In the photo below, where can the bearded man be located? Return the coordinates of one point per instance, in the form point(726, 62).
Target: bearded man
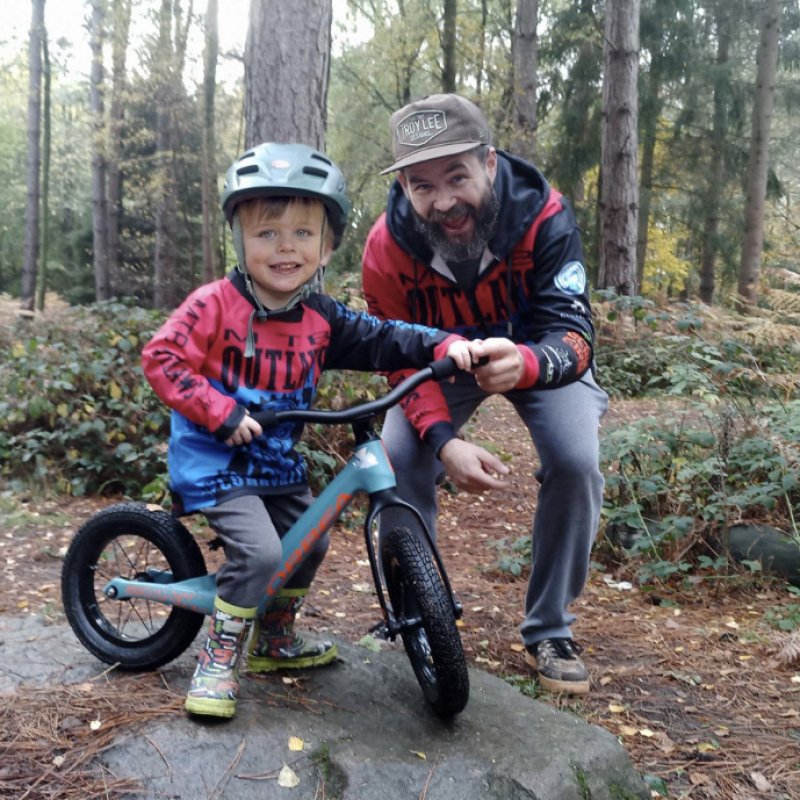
point(475, 241)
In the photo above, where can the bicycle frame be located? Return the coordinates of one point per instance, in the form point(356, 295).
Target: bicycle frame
point(368, 470)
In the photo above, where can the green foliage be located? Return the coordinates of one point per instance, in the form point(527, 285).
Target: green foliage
point(694, 472)
point(77, 415)
point(514, 554)
point(786, 617)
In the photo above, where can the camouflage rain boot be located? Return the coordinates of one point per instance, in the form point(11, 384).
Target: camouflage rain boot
point(216, 679)
point(275, 645)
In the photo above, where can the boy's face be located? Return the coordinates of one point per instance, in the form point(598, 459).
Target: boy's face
point(283, 252)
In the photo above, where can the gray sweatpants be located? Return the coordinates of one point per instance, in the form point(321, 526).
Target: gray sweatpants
point(563, 424)
point(251, 528)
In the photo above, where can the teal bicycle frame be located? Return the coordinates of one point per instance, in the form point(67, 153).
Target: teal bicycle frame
point(368, 470)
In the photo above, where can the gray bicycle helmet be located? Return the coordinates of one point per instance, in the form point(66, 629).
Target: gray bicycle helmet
point(287, 170)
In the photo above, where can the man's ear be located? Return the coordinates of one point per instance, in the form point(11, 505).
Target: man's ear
point(404, 183)
point(491, 164)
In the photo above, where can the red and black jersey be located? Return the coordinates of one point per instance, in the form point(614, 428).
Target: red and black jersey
point(196, 365)
point(531, 287)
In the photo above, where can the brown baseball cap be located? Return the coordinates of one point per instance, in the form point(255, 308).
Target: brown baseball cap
point(438, 125)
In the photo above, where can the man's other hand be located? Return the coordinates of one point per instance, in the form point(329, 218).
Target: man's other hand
point(471, 467)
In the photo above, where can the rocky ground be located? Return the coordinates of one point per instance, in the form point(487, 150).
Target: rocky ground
point(690, 681)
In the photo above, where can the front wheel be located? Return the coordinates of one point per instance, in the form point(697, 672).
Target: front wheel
point(132, 542)
point(433, 645)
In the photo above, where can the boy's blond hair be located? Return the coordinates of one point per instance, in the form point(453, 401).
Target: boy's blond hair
point(259, 210)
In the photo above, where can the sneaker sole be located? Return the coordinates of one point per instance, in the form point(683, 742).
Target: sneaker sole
point(555, 685)
point(259, 664)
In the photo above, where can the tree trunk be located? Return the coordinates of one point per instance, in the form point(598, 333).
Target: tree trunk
point(523, 141)
point(710, 240)
point(652, 111)
point(482, 48)
point(31, 249)
point(166, 220)
point(750, 269)
point(449, 47)
point(286, 71)
point(121, 22)
point(620, 196)
point(210, 215)
point(102, 282)
point(41, 281)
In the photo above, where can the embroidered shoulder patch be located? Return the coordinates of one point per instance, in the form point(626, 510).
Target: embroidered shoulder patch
point(572, 278)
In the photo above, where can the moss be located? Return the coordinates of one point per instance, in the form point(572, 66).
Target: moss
point(583, 784)
point(331, 775)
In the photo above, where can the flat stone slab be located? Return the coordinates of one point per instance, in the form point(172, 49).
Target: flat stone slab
point(366, 729)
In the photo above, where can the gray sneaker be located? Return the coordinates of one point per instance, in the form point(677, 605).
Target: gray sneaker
point(559, 667)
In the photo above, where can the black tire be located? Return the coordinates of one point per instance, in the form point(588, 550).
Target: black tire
point(434, 648)
point(124, 541)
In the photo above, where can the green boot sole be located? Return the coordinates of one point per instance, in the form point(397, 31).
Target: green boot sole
point(208, 707)
point(258, 664)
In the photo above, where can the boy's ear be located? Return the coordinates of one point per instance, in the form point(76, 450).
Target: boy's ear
point(327, 250)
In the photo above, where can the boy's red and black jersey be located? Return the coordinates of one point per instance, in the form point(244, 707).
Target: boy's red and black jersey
point(531, 287)
point(196, 365)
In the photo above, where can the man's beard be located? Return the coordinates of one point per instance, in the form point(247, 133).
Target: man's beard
point(453, 250)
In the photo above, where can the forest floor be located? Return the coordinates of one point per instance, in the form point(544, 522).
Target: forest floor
point(687, 680)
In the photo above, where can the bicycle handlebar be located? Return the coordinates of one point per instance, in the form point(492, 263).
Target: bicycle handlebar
point(437, 370)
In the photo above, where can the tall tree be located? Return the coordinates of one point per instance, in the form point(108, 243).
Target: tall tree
point(709, 243)
point(31, 252)
point(750, 268)
point(165, 210)
point(523, 139)
point(209, 185)
point(620, 142)
point(286, 71)
point(102, 279)
point(449, 47)
point(121, 20)
point(41, 278)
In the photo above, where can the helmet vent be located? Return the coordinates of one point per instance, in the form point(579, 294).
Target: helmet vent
point(322, 158)
point(315, 171)
point(248, 170)
point(249, 154)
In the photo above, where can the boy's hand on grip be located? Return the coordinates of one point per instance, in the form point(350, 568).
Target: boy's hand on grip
point(247, 430)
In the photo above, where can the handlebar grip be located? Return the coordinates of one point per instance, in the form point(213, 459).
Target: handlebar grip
point(443, 368)
point(266, 418)
point(481, 362)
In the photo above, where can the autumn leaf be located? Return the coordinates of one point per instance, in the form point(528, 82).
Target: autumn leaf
point(296, 743)
point(288, 777)
point(419, 755)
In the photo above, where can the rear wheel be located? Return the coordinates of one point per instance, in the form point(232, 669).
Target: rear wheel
point(433, 645)
point(132, 542)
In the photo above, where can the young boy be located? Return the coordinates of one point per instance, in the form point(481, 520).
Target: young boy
point(262, 336)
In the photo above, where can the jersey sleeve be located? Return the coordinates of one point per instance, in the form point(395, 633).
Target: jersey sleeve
point(559, 333)
point(173, 362)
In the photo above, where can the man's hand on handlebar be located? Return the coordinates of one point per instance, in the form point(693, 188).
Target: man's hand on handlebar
point(505, 367)
point(470, 467)
point(247, 430)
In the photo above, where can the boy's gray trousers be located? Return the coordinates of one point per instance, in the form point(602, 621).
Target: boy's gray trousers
point(251, 528)
point(563, 424)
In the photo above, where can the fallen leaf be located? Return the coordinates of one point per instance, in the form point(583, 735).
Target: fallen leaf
point(95, 724)
point(732, 624)
point(370, 643)
point(627, 730)
point(760, 782)
point(58, 761)
point(605, 681)
point(85, 687)
point(698, 778)
point(646, 732)
point(288, 777)
point(518, 648)
point(340, 614)
point(615, 709)
point(296, 743)
point(460, 623)
point(420, 755)
point(795, 679)
point(287, 680)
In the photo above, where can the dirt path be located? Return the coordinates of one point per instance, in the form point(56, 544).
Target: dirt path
point(691, 686)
